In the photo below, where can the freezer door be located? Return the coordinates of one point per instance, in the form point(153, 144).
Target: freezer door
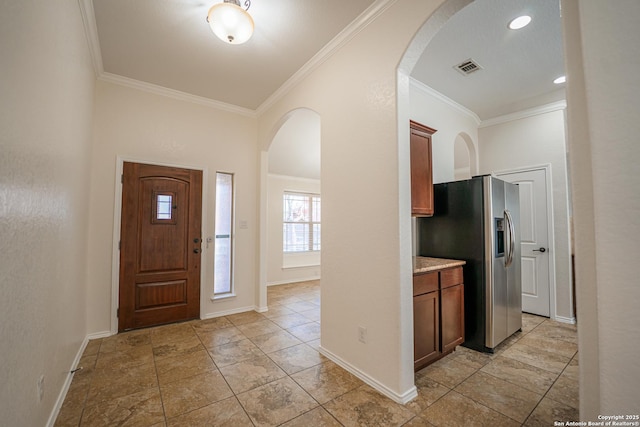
point(497, 301)
point(514, 274)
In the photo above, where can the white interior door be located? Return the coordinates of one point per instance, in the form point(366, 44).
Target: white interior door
point(534, 232)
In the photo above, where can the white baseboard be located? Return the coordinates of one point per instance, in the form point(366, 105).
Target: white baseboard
point(403, 398)
point(230, 312)
point(561, 319)
point(296, 280)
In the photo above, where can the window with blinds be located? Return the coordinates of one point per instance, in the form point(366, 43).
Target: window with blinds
point(301, 222)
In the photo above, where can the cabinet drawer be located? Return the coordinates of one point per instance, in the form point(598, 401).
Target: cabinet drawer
point(424, 283)
point(450, 277)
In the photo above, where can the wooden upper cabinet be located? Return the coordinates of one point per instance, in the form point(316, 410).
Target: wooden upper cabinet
point(421, 173)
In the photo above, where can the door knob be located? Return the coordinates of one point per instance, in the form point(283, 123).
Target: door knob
point(543, 250)
point(196, 251)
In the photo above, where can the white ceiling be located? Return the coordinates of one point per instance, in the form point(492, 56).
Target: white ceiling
point(519, 66)
point(168, 43)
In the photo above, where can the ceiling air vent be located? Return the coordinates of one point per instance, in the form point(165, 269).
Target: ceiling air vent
point(467, 67)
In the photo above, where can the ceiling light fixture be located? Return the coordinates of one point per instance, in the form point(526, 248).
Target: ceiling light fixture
point(519, 22)
point(560, 80)
point(230, 22)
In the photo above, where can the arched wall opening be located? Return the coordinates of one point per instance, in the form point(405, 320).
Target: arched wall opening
point(290, 161)
point(464, 157)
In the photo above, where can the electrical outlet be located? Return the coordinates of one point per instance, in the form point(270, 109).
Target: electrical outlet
point(41, 387)
point(362, 334)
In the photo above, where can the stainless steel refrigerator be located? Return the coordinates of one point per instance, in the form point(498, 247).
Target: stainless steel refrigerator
point(477, 220)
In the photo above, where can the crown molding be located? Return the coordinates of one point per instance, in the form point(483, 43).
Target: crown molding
point(361, 22)
point(543, 109)
point(349, 32)
point(91, 33)
point(418, 85)
point(175, 94)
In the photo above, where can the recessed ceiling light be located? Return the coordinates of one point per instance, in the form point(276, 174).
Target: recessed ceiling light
point(560, 80)
point(520, 22)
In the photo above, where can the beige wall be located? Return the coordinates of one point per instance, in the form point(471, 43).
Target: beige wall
point(603, 97)
point(366, 278)
point(45, 130)
point(146, 127)
point(449, 122)
point(534, 141)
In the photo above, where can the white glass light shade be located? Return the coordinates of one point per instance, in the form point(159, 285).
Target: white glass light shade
point(231, 23)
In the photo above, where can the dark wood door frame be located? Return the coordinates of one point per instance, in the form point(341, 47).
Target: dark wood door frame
point(117, 221)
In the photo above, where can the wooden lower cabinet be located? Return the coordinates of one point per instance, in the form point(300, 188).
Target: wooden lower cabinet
point(426, 313)
point(452, 312)
point(438, 315)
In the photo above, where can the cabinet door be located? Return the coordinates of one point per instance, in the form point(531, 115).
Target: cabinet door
point(426, 329)
point(421, 173)
point(452, 309)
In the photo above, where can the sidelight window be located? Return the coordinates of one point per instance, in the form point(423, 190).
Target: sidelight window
point(301, 222)
point(223, 258)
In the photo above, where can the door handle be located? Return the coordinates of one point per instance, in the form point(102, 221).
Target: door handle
point(542, 250)
point(196, 251)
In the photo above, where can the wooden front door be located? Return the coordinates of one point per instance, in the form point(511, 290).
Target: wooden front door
point(160, 241)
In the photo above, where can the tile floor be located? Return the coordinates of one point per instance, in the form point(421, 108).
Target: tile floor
point(254, 369)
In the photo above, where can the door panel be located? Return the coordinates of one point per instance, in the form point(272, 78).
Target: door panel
point(534, 234)
point(160, 245)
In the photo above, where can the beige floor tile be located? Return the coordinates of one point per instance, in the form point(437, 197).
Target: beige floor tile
point(429, 391)
point(246, 317)
point(538, 357)
point(184, 366)
point(276, 311)
point(276, 402)
point(92, 348)
point(530, 322)
point(234, 352)
point(366, 407)
point(297, 358)
point(318, 417)
point(558, 331)
point(306, 332)
point(169, 334)
point(290, 320)
point(549, 411)
point(301, 306)
point(122, 359)
point(125, 341)
point(211, 324)
point(314, 344)
point(455, 409)
point(418, 421)
point(508, 399)
point(552, 345)
point(183, 348)
point(187, 394)
point(260, 327)
point(448, 372)
point(252, 373)
point(313, 315)
point(565, 390)
point(109, 384)
point(326, 381)
point(225, 413)
point(275, 341)
point(139, 409)
point(214, 338)
point(473, 359)
point(527, 376)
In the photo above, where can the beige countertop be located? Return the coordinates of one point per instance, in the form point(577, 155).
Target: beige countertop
point(425, 264)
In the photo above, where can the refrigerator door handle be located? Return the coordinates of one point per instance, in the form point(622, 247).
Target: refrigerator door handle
point(512, 239)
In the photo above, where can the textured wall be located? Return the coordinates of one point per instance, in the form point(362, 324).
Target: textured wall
point(46, 102)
